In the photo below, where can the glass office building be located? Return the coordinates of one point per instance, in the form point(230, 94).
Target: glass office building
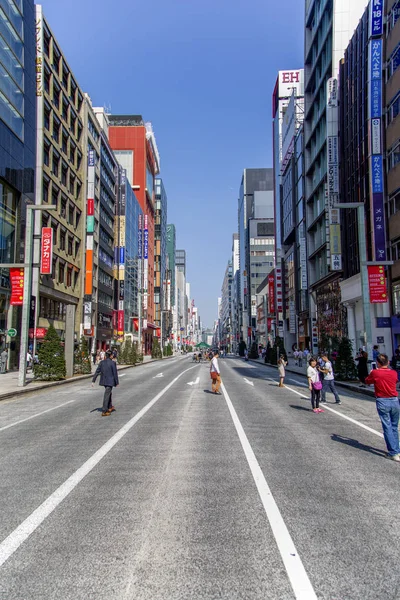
point(17, 141)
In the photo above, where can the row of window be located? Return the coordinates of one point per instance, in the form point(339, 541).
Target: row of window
point(61, 170)
point(62, 239)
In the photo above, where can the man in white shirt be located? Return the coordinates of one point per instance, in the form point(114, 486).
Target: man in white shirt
point(329, 380)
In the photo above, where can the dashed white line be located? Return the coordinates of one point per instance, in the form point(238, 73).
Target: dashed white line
point(297, 574)
point(31, 523)
point(37, 415)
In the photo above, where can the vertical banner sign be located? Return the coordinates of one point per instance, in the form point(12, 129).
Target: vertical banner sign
point(271, 294)
point(376, 175)
point(46, 251)
point(89, 266)
point(140, 257)
point(377, 285)
point(376, 17)
point(146, 263)
point(17, 287)
point(120, 322)
point(332, 125)
point(89, 228)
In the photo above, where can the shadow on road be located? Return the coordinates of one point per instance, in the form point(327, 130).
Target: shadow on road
point(358, 445)
point(300, 407)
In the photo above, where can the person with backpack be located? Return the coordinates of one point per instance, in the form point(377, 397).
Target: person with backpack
point(315, 385)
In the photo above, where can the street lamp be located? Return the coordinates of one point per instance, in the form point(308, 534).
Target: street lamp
point(27, 287)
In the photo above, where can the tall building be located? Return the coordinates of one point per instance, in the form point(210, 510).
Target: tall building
point(61, 181)
point(161, 314)
point(100, 234)
point(19, 86)
point(171, 250)
point(328, 29)
point(135, 147)
point(293, 238)
point(392, 110)
point(235, 295)
point(180, 261)
point(226, 304)
point(256, 243)
point(361, 174)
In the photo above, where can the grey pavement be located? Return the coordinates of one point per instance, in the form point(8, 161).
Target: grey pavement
point(167, 507)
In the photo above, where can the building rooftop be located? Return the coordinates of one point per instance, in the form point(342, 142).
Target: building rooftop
point(126, 120)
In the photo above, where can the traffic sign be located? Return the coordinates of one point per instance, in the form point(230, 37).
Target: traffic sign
point(12, 332)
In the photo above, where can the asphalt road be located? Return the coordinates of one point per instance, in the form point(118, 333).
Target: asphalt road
point(185, 494)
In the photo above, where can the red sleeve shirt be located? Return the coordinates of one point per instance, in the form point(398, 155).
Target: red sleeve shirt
point(384, 381)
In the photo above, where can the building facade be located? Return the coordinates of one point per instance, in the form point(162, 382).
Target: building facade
point(135, 148)
point(392, 147)
point(161, 313)
point(19, 87)
point(328, 29)
point(60, 181)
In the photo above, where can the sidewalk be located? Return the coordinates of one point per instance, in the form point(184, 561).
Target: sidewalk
point(9, 381)
point(292, 368)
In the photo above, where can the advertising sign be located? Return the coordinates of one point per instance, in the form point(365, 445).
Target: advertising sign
point(17, 287)
point(46, 251)
point(376, 17)
point(375, 78)
point(120, 323)
point(279, 296)
point(378, 214)
point(377, 285)
point(271, 294)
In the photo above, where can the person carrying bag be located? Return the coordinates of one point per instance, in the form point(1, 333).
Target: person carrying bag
point(215, 374)
point(315, 385)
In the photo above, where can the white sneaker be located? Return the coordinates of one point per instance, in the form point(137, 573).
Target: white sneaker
point(396, 457)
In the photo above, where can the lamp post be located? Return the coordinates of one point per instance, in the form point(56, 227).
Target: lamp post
point(27, 287)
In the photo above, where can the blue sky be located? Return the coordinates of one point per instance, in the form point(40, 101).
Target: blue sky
point(203, 73)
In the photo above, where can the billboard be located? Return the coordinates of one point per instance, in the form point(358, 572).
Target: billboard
point(46, 251)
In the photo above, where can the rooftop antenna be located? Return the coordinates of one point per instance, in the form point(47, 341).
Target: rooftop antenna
point(107, 109)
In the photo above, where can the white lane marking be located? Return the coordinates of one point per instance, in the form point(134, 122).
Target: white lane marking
point(298, 382)
point(289, 388)
point(159, 375)
point(194, 382)
point(298, 577)
point(249, 382)
point(37, 415)
point(122, 375)
point(27, 527)
point(342, 415)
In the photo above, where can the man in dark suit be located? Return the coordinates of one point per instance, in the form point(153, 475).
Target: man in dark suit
point(107, 370)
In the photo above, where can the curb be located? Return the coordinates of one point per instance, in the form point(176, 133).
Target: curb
point(50, 384)
point(365, 391)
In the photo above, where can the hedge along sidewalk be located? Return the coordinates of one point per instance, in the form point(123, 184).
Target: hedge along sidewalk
point(354, 387)
point(9, 382)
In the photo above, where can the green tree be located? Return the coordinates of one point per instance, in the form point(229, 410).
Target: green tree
point(82, 364)
point(127, 351)
point(156, 349)
point(345, 367)
point(51, 365)
point(139, 355)
point(133, 354)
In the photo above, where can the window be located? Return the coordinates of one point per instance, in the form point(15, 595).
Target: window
point(64, 142)
point(394, 61)
point(396, 298)
point(62, 240)
point(76, 277)
point(70, 245)
point(69, 277)
point(61, 272)
point(72, 153)
point(78, 218)
point(56, 129)
point(394, 155)
point(65, 109)
point(45, 191)
point(46, 43)
point(71, 183)
point(73, 123)
point(64, 174)
point(71, 214)
point(54, 195)
point(46, 80)
point(56, 94)
point(393, 109)
point(56, 58)
point(78, 190)
point(395, 250)
point(73, 91)
point(46, 153)
point(46, 117)
point(56, 163)
point(64, 208)
point(77, 244)
point(393, 204)
point(79, 160)
point(79, 133)
point(65, 77)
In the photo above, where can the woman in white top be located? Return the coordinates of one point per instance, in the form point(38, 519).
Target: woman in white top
point(315, 385)
point(281, 370)
point(215, 374)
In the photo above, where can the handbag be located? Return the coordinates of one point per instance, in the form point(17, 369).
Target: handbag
point(214, 374)
point(317, 385)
